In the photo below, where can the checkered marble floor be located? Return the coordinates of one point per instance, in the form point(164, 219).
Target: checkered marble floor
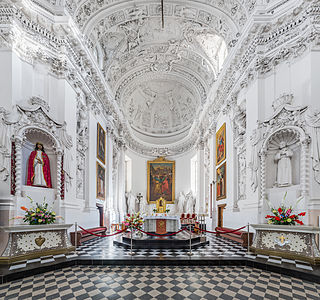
point(218, 248)
point(104, 249)
point(133, 282)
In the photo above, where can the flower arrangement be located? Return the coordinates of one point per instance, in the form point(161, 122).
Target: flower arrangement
point(133, 221)
point(284, 215)
point(38, 215)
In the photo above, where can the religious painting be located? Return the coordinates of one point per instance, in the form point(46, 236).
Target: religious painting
point(161, 180)
point(221, 182)
point(101, 143)
point(221, 144)
point(101, 182)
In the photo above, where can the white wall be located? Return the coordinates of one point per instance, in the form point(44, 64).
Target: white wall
point(299, 77)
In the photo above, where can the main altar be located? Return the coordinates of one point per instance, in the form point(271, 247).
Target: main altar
point(162, 224)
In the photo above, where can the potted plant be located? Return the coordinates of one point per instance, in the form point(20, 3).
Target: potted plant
point(284, 215)
point(39, 214)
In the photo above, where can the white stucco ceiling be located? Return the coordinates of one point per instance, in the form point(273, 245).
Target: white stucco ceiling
point(160, 77)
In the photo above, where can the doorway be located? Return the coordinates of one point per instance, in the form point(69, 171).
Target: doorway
point(220, 214)
point(101, 214)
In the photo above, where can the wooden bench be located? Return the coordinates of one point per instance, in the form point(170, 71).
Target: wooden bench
point(83, 236)
point(238, 236)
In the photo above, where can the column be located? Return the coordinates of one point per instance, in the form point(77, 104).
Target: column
point(305, 158)
point(213, 158)
point(263, 184)
point(18, 143)
point(200, 179)
point(121, 183)
point(59, 160)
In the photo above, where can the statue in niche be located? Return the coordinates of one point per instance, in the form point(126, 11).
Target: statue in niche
point(284, 168)
point(39, 168)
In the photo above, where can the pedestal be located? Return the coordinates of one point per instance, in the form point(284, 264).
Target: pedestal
point(287, 241)
point(32, 241)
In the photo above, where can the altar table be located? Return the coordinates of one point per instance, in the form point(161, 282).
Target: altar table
point(32, 241)
point(287, 241)
point(162, 224)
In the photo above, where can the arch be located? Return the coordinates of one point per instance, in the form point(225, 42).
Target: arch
point(24, 130)
point(304, 157)
point(302, 134)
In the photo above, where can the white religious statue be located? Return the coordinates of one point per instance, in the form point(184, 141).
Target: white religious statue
point(143, 204)
point(131, 203)
point(181, 201)
point(189, 203)
point(284, 168)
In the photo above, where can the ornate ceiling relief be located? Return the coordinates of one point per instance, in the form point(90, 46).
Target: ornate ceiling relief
point(116, 49)
point(160, 76)
point(266, 46)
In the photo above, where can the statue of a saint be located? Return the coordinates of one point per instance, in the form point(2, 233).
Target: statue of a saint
point(131, 203)
point(284, 169)
point(181, 202)
point(39, 168)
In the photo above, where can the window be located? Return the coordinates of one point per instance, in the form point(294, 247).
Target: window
point(194, 174)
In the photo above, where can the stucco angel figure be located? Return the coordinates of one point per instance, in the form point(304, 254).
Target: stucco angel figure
point(131, 203)
point(181, 202)
point(189, 203)
point(144, 207)
point(284, 168)
point(39, 168)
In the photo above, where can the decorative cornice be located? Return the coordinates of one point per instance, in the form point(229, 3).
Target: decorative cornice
point(68, 56)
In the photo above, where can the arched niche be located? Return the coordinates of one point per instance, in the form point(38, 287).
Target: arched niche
point(31, 137)
point(291, 138)
point(297, 142)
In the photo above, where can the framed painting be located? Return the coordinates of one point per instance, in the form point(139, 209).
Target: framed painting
point(101, 144)
point(221, 144)
point(161, 180)
point(101, 182)
point(221, 181)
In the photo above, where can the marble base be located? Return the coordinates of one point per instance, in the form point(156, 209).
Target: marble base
point(33, 241)
point(179, 241)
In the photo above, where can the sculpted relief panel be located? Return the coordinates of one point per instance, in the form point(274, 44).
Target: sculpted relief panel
point(161, 107)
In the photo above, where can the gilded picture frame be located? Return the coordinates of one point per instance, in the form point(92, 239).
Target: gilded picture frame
point(221, 144)
point(161, 180)
point(101, 182)
point(101, 144)
point(221, 182)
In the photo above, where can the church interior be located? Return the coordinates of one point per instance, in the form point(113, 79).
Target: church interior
point(156, 149)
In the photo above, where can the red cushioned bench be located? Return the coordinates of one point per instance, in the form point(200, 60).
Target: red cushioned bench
point(83, 236)
point(238, 236)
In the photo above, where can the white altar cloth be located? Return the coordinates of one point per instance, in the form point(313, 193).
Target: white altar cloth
point(173, 223)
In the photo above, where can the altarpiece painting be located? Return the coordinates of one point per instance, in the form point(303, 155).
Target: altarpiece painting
point(101, 143)
point(221, 177)
point(161, 180)
point(221, 144)
point(101, 182)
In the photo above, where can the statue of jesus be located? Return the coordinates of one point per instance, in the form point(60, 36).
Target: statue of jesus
point(39, 168)
point(284, 168)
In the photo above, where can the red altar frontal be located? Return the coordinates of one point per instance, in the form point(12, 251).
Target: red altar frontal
point(161, 226)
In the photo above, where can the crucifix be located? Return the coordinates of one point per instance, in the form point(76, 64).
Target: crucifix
point(162, 14)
